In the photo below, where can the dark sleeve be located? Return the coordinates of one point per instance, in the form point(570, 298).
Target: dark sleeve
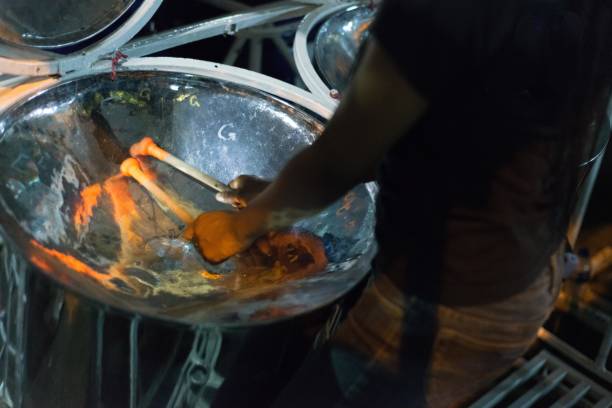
point(431, 41)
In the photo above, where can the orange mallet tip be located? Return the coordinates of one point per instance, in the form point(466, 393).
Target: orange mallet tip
point(129, 165)
point(142, 148)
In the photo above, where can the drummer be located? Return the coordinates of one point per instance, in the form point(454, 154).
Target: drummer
point(470, 116)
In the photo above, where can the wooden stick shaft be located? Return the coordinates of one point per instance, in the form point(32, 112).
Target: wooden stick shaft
point(160, 195)
point(148, 147)
point(195, 173)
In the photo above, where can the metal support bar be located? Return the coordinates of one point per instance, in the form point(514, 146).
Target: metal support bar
point(604, 349)
point(234, 52)
point(583, 201)
point(226, 5)
point(224, 25)
point(519, 377)
point(589, 182)
point(573, 354)
point(572, 386)
point(540, 390)
point(134, 362)
point(100, 318)
point(255, 51)
point(573, 396)
point(284, 50)
point(607, 403)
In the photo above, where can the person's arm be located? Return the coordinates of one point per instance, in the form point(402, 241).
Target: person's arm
point(379, 107)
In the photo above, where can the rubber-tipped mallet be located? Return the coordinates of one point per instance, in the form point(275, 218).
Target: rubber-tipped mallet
point(131, 167)
point(147, 147)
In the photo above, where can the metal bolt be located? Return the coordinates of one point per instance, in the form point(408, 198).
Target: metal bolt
point(198, 375)
point(230, 29)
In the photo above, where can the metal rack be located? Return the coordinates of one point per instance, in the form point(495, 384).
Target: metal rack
point(546, 377)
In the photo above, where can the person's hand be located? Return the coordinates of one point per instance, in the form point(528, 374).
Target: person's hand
point(243, 190)
point(219, 235)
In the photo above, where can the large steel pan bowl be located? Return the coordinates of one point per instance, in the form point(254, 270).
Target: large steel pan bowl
point(64, 207)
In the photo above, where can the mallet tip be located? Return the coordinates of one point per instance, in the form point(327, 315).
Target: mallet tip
point(142, 148)
point(128, 166)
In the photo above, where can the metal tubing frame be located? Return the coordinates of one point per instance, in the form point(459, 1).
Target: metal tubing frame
point(322, 107)
point(59, 64)
point(228, 25)
point(12, 340)
point(589, 183)
point(552, 371)
point(303, 62)
point(574, 355)
point(51, 64)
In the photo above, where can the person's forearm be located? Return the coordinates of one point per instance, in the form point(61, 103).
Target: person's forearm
point(303, 188)
point(378, 108)
point(315, 178)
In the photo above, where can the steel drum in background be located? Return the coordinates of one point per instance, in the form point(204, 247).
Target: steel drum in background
point(63, 23)
point(337, 44)
point(335, 33)
point(87, 320)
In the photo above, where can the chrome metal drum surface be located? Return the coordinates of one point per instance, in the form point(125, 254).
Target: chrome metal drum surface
point(67, 208)
point(102, 303)
point(60, 23)
point(337, 43)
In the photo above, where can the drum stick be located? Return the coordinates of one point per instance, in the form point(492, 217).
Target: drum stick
point(131, 167)
point(147, 147)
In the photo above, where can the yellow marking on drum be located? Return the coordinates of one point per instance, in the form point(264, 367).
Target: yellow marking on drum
point(193, 101)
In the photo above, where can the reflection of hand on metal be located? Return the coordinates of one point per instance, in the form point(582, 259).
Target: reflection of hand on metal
point(242, 190)
point(131, 167)
point(295, 250)
point(147, 147)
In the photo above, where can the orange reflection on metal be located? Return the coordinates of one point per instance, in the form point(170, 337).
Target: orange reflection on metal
point(360, 31)
point(207, 275)
point(84, 209)
point(68, 260)
point(125, 210)
point(131, 167)
point(40, 263)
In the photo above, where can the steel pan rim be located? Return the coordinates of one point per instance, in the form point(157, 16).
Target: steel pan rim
point(75, 43)
point(108, 308)
point(304, 63)
point(207, 70)
point(363, 13)
point(37, 62)
point(30, 88)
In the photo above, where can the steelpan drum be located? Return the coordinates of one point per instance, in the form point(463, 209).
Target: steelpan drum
point(62, 23)
point(337, 44)
point(103, 303)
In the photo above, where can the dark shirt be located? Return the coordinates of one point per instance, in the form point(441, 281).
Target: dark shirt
point(476, 197)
